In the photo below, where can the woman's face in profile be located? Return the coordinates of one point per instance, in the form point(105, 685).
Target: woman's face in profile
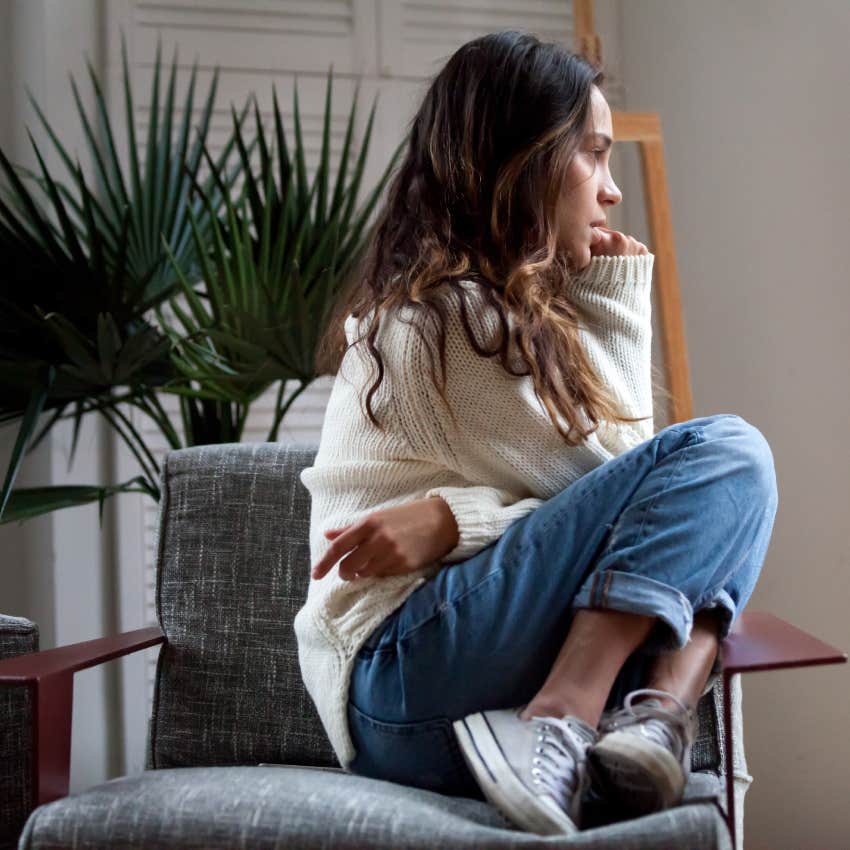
point(590, 189)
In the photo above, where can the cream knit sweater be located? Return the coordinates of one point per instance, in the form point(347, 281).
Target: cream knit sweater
point(504, 460)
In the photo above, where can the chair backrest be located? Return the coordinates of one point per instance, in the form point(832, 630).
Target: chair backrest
point(233, 565)
point(233, 561)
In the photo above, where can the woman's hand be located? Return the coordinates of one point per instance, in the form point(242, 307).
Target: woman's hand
point(610, 243)
point(392, 541)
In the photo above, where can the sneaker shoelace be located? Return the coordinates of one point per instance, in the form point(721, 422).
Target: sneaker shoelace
point(559, 751)
point(669, 728)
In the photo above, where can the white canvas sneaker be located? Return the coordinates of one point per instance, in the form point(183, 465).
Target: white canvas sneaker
point(533, 771)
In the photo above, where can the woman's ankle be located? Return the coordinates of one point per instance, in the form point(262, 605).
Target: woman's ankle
point(689, 699)
point(549, 706)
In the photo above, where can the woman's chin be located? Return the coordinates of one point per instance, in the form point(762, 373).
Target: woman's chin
point(579, 259)
point(584, 259)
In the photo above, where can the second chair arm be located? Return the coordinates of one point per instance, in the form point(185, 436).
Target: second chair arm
point(49, 674)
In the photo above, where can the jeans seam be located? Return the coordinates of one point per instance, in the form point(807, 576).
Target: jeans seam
point(606, 586)
point(592, 595)
point(694, 436)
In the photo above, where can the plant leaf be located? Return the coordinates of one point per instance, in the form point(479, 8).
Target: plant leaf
point(27, 502)
point(28, 423)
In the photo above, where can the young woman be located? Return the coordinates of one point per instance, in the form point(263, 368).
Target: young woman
point(519, 588)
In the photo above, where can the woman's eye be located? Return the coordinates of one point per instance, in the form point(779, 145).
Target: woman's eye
point(599, 151)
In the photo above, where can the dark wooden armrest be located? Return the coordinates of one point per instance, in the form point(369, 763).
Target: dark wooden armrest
point(49, 675)
point(761, 641)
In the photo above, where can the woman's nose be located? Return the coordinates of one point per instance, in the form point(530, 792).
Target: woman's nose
point(610, 193)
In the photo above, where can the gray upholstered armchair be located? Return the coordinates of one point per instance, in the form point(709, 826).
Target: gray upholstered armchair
point(233, 567)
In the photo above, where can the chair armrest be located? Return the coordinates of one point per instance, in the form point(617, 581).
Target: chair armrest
point(49, 675)
point(761, 641)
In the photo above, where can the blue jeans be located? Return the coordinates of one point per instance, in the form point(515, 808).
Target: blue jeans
point(676, 524)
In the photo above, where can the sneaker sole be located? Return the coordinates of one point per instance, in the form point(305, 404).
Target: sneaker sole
point(501, 786)
point(643, 777)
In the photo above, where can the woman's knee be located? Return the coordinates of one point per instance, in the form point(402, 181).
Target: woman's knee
point(749, 448)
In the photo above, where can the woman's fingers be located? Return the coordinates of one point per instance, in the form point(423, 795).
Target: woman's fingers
point(612, 243)
point(358, 561)
point(370, 570)
point(351, 538)
point(376, 564)
point(369, 558)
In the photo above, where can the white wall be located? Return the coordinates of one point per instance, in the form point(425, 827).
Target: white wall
point(753, 102)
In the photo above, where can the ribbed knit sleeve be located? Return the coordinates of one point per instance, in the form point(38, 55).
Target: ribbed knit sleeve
point(613, 294)
point(483, 514)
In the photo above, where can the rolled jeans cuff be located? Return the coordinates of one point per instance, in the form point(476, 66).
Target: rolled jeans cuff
point(636, 594)
point(727, 611)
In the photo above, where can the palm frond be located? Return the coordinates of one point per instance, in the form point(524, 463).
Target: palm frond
point(274, 263)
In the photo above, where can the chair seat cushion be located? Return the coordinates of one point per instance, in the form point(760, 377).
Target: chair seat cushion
point(294, 807)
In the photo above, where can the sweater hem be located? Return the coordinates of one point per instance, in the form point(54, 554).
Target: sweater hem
point(327, 664)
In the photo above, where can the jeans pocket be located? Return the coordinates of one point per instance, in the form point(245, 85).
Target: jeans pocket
point(423, 753)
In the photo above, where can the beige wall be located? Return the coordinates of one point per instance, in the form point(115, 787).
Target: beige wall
point(753, 102)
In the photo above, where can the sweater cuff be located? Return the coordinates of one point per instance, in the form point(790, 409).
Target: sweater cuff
point(625, 277)
point(482, 515)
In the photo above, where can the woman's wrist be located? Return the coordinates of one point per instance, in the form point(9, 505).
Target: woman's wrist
point(447, 529)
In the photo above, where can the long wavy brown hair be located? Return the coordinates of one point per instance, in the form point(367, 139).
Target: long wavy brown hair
point(475, 198)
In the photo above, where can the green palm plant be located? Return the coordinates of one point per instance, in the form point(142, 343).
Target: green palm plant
point(84, 263)
point(278, 255)
point(162, 281)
